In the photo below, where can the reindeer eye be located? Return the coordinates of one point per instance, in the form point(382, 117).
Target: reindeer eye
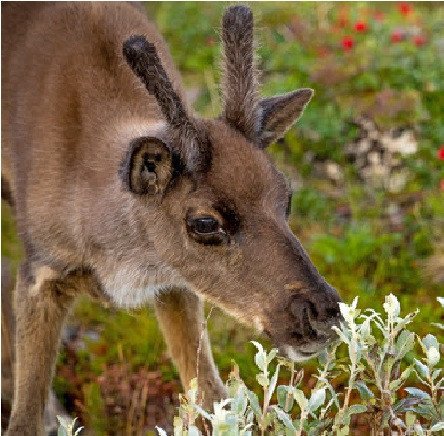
point(205, 225)
point(206, 230)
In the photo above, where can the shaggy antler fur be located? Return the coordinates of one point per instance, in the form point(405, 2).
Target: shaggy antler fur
point(143, 59)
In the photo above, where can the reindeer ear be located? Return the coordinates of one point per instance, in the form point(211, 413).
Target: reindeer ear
point(148, 166)
point(279, 113)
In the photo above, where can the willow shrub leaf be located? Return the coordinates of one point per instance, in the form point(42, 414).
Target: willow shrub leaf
point(260, 357)
point(285, 418)
point(364, 391)
point(421, 368)
point(417, 393)
point(375, 365)
point(317, 399)
point(404, 344)
point(285, 398)
point(254, 403)
point(376, 361)
point(437, 427)
point(272, 385)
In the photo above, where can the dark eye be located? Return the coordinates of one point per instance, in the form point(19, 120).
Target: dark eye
point(206, 230)
point(205, 225)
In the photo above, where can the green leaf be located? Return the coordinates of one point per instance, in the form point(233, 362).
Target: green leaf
point(317, 399)
point(254, 403)
point(240, 401)
point(436, 373)
point(410, 419)
point(422, 369)
point(432, 356)
point(282, 416)
point(426, 409)
point(417, 393)
point(394, 385)
point(271, 355)
point(262, 380)
point(404, 344)
point(430, 341)
point(260, 358)
point(300, 398)
point(438, 426)
point(272, 385)
point(406, 373)
point(283, 393)
point(363, 390)
point(341, 335)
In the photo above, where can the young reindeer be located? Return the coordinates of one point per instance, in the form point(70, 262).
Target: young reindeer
point(120, 191)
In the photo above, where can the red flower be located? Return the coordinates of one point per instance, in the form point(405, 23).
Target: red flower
point(405, 8)
point(397, 36)
point(419, 40)
point(360, 26)
point(441, 153)
point(347, 43)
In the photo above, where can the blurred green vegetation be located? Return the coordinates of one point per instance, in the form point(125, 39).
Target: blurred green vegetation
point(389, 68)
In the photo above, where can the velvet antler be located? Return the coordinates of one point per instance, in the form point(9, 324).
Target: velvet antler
point(143, 59)
point(239, 80)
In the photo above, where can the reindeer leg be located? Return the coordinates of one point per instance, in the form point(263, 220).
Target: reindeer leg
point(41, 305)
point(181, 318)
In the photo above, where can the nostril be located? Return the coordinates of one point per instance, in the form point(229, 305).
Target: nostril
point(333, 312)
point(313, 310)
point(307, 328)
point(296, 335)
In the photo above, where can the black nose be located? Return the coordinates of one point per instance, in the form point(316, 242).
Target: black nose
point(303, 311)
point(315, 313)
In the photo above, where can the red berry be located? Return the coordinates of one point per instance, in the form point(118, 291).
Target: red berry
point(396, 36)
point(360, 26)
point(441, 153)
point(419, 40)
point(405, 8)
point(347, 43)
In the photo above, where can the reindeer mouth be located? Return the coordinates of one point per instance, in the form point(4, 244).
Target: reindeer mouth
point(298, 355)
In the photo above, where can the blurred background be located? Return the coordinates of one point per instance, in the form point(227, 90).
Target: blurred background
point(366, 162)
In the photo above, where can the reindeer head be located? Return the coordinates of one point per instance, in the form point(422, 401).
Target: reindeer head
point(220, 205)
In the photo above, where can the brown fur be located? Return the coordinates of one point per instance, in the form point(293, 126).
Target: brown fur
point(99, 214)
